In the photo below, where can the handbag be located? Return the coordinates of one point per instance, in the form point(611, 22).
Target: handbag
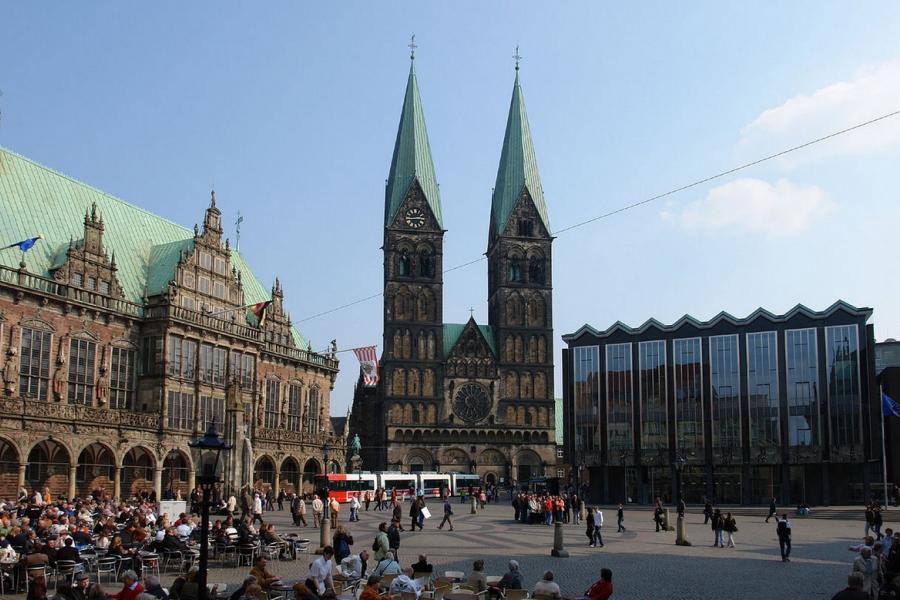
point(375, 545)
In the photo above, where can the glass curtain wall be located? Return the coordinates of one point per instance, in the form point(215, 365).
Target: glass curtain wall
point(619, 398)
point(688, 361)
point(762, 386)
point(844, 399)
point(652, 380)
point(802, 387)
point(725, 392)
point(586, 368)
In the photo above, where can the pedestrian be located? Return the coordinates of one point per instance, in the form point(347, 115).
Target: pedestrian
point(576, 509)
point(620, 517)
point(598, 526)
point(707, 511)
point(334, 507)
point(870, 518)
point(398, 515)
point(317, 507)
point(393, 534)
point(730, 526)
point(772, 509)
point(865, 564)
point(717, 524)
point(658, 515)
point(368, 498)
point(257, 509)
point(281, 497)
point(414, 510)
point(448, 511)
point(878, 522)
point(354, 508)
point(591, 526)
point(298, 509)
point(783, 530)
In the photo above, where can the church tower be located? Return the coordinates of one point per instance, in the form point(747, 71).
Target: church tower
point(519, 277)
point(413, 283)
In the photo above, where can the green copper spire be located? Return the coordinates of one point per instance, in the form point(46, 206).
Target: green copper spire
point(412, 156)
point(518, 166)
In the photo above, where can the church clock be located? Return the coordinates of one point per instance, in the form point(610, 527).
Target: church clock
point(415, 218)
point(471, 403)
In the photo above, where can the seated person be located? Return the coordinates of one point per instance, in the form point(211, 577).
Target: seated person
point(238, 593)
point(301, 592)
point(547, 588)
point(387, 566)
point(404, 582)
point(319, 579)
point(68, 552)
point(422, 566)
point(131, 587)
point(370, 592)
point(264, 577)
point(354, 566)
point(477, 579)
point(171, 542)
point(511, 580)
point(601, 589)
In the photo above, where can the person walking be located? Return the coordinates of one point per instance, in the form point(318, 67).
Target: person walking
point(317, 507)
point(354, 509)
point(783, 530)
point(368, 498)
point(281, 497)
point(414, 511)
point(658, 515)
point(866, 565)
point(576, 509)
point(870, 518)
point(620, 517)
point(730, 526)
point(257, 509)
point(717, 525)
point(589, 531)
point(707, 511)
point(598, 526)
point(448, 511)
point(393, 534)
point(334, 508)
point(772, 510)
point(298, 509)
point(878, 522)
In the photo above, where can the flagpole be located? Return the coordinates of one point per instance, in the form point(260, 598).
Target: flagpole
point(883, 453)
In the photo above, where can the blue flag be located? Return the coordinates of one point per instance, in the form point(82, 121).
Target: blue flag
point(889, 406)
point(24, 245)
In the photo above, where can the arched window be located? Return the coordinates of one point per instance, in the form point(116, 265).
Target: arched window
point(514, 273)
point(536, 270)
point(405, 263)
point(426, 263)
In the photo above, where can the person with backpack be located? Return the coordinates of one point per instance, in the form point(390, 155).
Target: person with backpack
point(448, 510)
point(783, 530)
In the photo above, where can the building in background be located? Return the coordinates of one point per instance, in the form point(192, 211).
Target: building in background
point(122, 335)
point(463, 396)
point(769, 405)
point(887, 369)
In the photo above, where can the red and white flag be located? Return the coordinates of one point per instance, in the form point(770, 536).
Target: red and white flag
point(368, 364)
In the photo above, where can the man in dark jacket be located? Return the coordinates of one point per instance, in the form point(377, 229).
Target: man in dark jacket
point(772, 509)
point(68, 552)
point(393, 534)
point(783, 529)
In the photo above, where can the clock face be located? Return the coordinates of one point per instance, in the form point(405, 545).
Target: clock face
point(472, 403)
point(415, 218)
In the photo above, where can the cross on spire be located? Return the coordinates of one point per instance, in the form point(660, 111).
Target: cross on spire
point(517, 57)
point(471, 312)
point(412, 47)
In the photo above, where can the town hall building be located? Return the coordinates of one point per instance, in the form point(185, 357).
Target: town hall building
point(463, 397)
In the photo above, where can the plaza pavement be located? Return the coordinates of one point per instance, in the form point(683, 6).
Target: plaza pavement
point(645, 564)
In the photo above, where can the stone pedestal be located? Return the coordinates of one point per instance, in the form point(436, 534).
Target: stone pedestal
point(680, 535)
point(558, 550)
point(666, 525)
point(324, 531)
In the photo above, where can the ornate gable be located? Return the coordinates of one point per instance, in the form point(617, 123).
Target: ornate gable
point(525, 220)
point(204, 279)
point(85, 264)
point(471, 355)
point(278, 323)
point(415, 212)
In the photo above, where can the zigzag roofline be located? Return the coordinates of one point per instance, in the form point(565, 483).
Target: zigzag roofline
point(759, 313)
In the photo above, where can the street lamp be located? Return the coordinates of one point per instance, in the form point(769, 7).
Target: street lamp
point(679, 467)
point(207, 454)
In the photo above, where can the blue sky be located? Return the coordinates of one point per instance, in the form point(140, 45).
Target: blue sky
point(291, 110)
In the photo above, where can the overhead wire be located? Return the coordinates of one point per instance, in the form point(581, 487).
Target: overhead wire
point(639, 203)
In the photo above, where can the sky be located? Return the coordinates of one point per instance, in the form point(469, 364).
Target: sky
point(289, 110)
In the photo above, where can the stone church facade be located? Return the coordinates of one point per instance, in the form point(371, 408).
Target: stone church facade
point(462, 396)
point(122, 336)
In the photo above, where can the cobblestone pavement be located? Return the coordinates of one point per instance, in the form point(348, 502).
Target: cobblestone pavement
point(645, 564)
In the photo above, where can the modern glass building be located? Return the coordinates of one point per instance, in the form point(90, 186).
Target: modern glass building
point(768, 405)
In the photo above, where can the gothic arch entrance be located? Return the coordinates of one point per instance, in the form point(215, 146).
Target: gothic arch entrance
point(96, 470)
point(48, 467)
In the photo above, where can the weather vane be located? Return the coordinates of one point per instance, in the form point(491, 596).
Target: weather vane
point(412, 47)
point(517, 57)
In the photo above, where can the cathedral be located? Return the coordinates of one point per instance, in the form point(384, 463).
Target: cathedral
point(463, 397)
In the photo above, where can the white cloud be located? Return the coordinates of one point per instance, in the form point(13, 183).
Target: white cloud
point(873, 91)
point(755, 206)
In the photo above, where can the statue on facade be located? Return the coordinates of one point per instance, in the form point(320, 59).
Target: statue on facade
point(260, 410)
point(354, 447)
point(103, 385)
point(11, 371)
point(333, 348)
point(59, 382)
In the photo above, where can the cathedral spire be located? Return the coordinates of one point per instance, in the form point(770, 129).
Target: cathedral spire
point(518, 169)
point(412, 155)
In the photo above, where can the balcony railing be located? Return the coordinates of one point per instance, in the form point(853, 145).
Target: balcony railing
point(50, 287)
point(204, 321)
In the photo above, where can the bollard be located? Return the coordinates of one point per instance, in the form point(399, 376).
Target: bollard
point(474, 509)
point(558, 550)
point(680, 535)
point(667, 526)
point(324, 534)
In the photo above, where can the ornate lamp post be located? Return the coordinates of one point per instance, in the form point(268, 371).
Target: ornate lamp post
point(207, 454)
point(680, 537)
point(325, 526)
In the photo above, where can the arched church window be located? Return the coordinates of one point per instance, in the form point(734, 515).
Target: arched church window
point(536, 270)
point(426, 264)
point(405, 263)
point(515, 270)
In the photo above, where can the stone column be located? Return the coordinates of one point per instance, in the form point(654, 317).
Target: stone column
point(117, 482)
point(73, 473)
point(22, 467)
point(157, 482)
point(276, 484)
point(191, 483)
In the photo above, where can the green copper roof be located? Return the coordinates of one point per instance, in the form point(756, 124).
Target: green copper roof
point(452, 331)
point(412, 157)
point(518, 166)
point(37, 200)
